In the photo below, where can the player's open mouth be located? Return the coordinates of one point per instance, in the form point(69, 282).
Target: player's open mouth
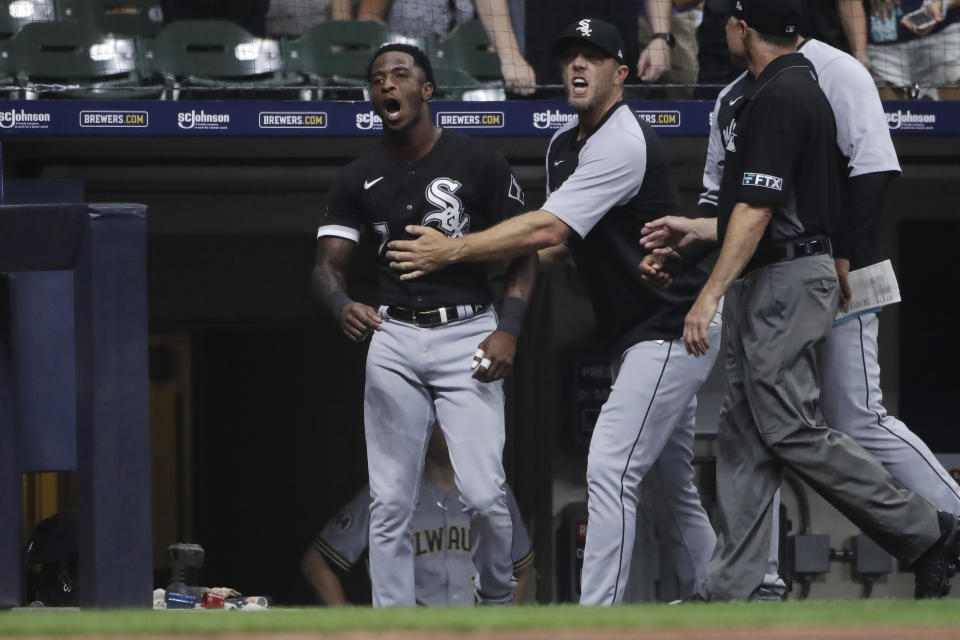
point(391, 107)
point(579, 86)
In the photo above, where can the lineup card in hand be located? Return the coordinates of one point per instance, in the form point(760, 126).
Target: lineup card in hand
point(871, 287)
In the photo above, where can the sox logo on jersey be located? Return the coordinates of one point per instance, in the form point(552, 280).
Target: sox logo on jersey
point(729, 134)
point(449, 216)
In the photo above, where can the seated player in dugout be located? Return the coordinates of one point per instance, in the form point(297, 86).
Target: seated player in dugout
point(443, 568)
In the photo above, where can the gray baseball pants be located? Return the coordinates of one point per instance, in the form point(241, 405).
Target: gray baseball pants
point(645, 434)
point(852, 403)
point(775, 321)
point(413, 376)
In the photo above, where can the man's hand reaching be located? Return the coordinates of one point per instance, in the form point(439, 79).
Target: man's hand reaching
point(658, 270)
point(429, 251)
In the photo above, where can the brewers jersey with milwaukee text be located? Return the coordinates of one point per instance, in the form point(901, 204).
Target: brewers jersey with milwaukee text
point(460, 186)
point(441, 543)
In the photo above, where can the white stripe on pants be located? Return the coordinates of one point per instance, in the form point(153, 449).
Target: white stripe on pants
point(650, 410)
point(852, 403)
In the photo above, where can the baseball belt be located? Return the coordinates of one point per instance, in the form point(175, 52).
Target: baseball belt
point(428, 318)
point(788, 250)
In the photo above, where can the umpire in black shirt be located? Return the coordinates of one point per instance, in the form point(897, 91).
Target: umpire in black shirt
point(779, 202)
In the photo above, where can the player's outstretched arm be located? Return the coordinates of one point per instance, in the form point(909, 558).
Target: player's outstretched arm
point(494, 356)
point(517, 236)
point(326, 585)
point(669, 233)
point(356, 319)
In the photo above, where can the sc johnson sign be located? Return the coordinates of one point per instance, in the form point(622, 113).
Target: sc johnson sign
point(202, 120)
point(23, 119)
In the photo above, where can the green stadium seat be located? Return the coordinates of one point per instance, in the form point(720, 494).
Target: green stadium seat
point(465, 64)
point(142, 18)
point(337, 52)
point(214, 54)
point(452, 83)
point(81, 60)
point(15, 14)
point(467, 48)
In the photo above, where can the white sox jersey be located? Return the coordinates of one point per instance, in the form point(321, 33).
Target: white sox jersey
point(606, 187)
point(458, 187)
point(443, 569)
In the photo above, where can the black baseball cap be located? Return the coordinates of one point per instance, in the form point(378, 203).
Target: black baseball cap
point(769, 17)
point(599, 33)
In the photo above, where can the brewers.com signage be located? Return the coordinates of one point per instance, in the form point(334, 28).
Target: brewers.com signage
point(348, 119)
point(112, 119)
point(660, 118)
point(293, 120)
point(470, 119)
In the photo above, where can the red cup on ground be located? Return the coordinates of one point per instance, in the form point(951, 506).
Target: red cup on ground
point(211, 600)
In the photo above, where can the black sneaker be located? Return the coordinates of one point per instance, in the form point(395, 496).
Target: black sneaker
point(932, 571)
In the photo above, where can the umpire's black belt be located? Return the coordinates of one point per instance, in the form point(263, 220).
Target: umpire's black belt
point(788, 250)
point(428, 318)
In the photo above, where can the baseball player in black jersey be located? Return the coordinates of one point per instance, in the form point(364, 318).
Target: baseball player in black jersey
point(779, 200)
point(438, 350)
point(607, 176)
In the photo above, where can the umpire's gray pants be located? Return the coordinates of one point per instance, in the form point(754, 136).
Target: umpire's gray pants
point(852, 403)
point(412, 376)
point(774, 321)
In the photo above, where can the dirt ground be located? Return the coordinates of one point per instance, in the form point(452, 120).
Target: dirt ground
point(795, 633)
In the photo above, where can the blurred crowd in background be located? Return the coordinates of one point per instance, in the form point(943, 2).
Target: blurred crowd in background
point(912, 47)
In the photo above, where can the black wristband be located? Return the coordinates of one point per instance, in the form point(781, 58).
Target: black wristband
point(666, 37)
point(511, 317)
point(337, 301)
